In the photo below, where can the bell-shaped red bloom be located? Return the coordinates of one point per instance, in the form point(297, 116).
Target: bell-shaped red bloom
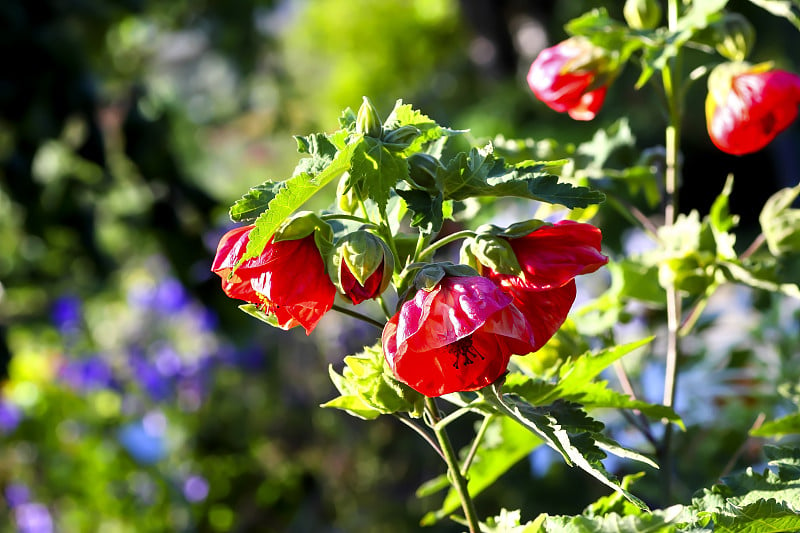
point(550, 257)
point(287, 280)
point(745, 111)
point(568, 77)
point(457, 337)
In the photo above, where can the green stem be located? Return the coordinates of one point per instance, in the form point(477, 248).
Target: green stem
point(355, 314)
point(444, 240)
point(671, 77)
point(344, 216)
point(457, 479)
point(475, 444)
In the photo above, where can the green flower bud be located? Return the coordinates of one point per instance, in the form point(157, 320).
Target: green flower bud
point(642, 14)
point(734, 36)
point(493, 252)
point(346, 195)
point(368, 122)
point(402, 136)
point(423, 169)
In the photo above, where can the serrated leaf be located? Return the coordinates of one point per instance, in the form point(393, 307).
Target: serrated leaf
point(427, 211)
point(548, 423)
point(295, 192)
point(406, 115)
point(254, 202)
point(655, 522)
point(763, 516)
point(377, 169)
point(482, 174)
point(369, 389)
point(321, 150)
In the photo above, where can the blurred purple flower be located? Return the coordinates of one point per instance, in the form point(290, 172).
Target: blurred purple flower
point(17, 494)
point(144, 439)
point(66, 313)
point(87, 374)
point(195, 489)
point(155, 384)
point(170, 296)
point(167, 361)
point(10, 417)
point(33, 518)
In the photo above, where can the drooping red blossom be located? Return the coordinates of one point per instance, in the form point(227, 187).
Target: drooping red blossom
point(568, 78)
point(550, 257)
point(287, 280)
point(358, 293)
point(746, 111)
point(457, 337)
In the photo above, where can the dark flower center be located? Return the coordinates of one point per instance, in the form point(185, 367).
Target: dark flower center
point(463, 348)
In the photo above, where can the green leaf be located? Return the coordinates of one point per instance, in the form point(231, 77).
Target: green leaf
point(787, 425)
point(780, 223)
point(254, 202)
point(368, 388)
point(782, 8)
point(482, 174)
point(760, 516)
point(737, 272)
point(321, 150)
point(377, 169)
point(504, 444)
point(296, 191)
point(255, 312)
point(655, 522)
point(566, 428)
point(406, 115)
point(721, 221)
point(427, 210)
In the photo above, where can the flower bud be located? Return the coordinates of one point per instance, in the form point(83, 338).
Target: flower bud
point(492, 252)
point(367, 121)
point(422, 171)
point(573, 76)
point(362, 266)
point(642, 14)
point(346, 195)
point(734, 36)
point(749, 105)
point(402, 136)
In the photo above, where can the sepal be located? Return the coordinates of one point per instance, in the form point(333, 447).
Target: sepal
point(367, 121)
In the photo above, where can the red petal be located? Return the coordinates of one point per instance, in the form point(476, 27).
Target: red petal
point(552, 256)
point(545, 310)
point(356, 292)
point(455, 309)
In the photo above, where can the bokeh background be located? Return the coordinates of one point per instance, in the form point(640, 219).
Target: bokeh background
point(135, 396)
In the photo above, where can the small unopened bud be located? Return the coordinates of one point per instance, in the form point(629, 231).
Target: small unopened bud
point(402, 136)
point(422, 171)
point(642, 14)
point(363, 266)
point(346, 195)
point(368, 122)
point(734, 36)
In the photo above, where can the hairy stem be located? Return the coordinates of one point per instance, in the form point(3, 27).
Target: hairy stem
point(444, 240)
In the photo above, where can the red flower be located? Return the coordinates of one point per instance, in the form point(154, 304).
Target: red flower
point(457, 337)
point(569, 77)
point(746, 110)
point(287, 280)
point(550, 258)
